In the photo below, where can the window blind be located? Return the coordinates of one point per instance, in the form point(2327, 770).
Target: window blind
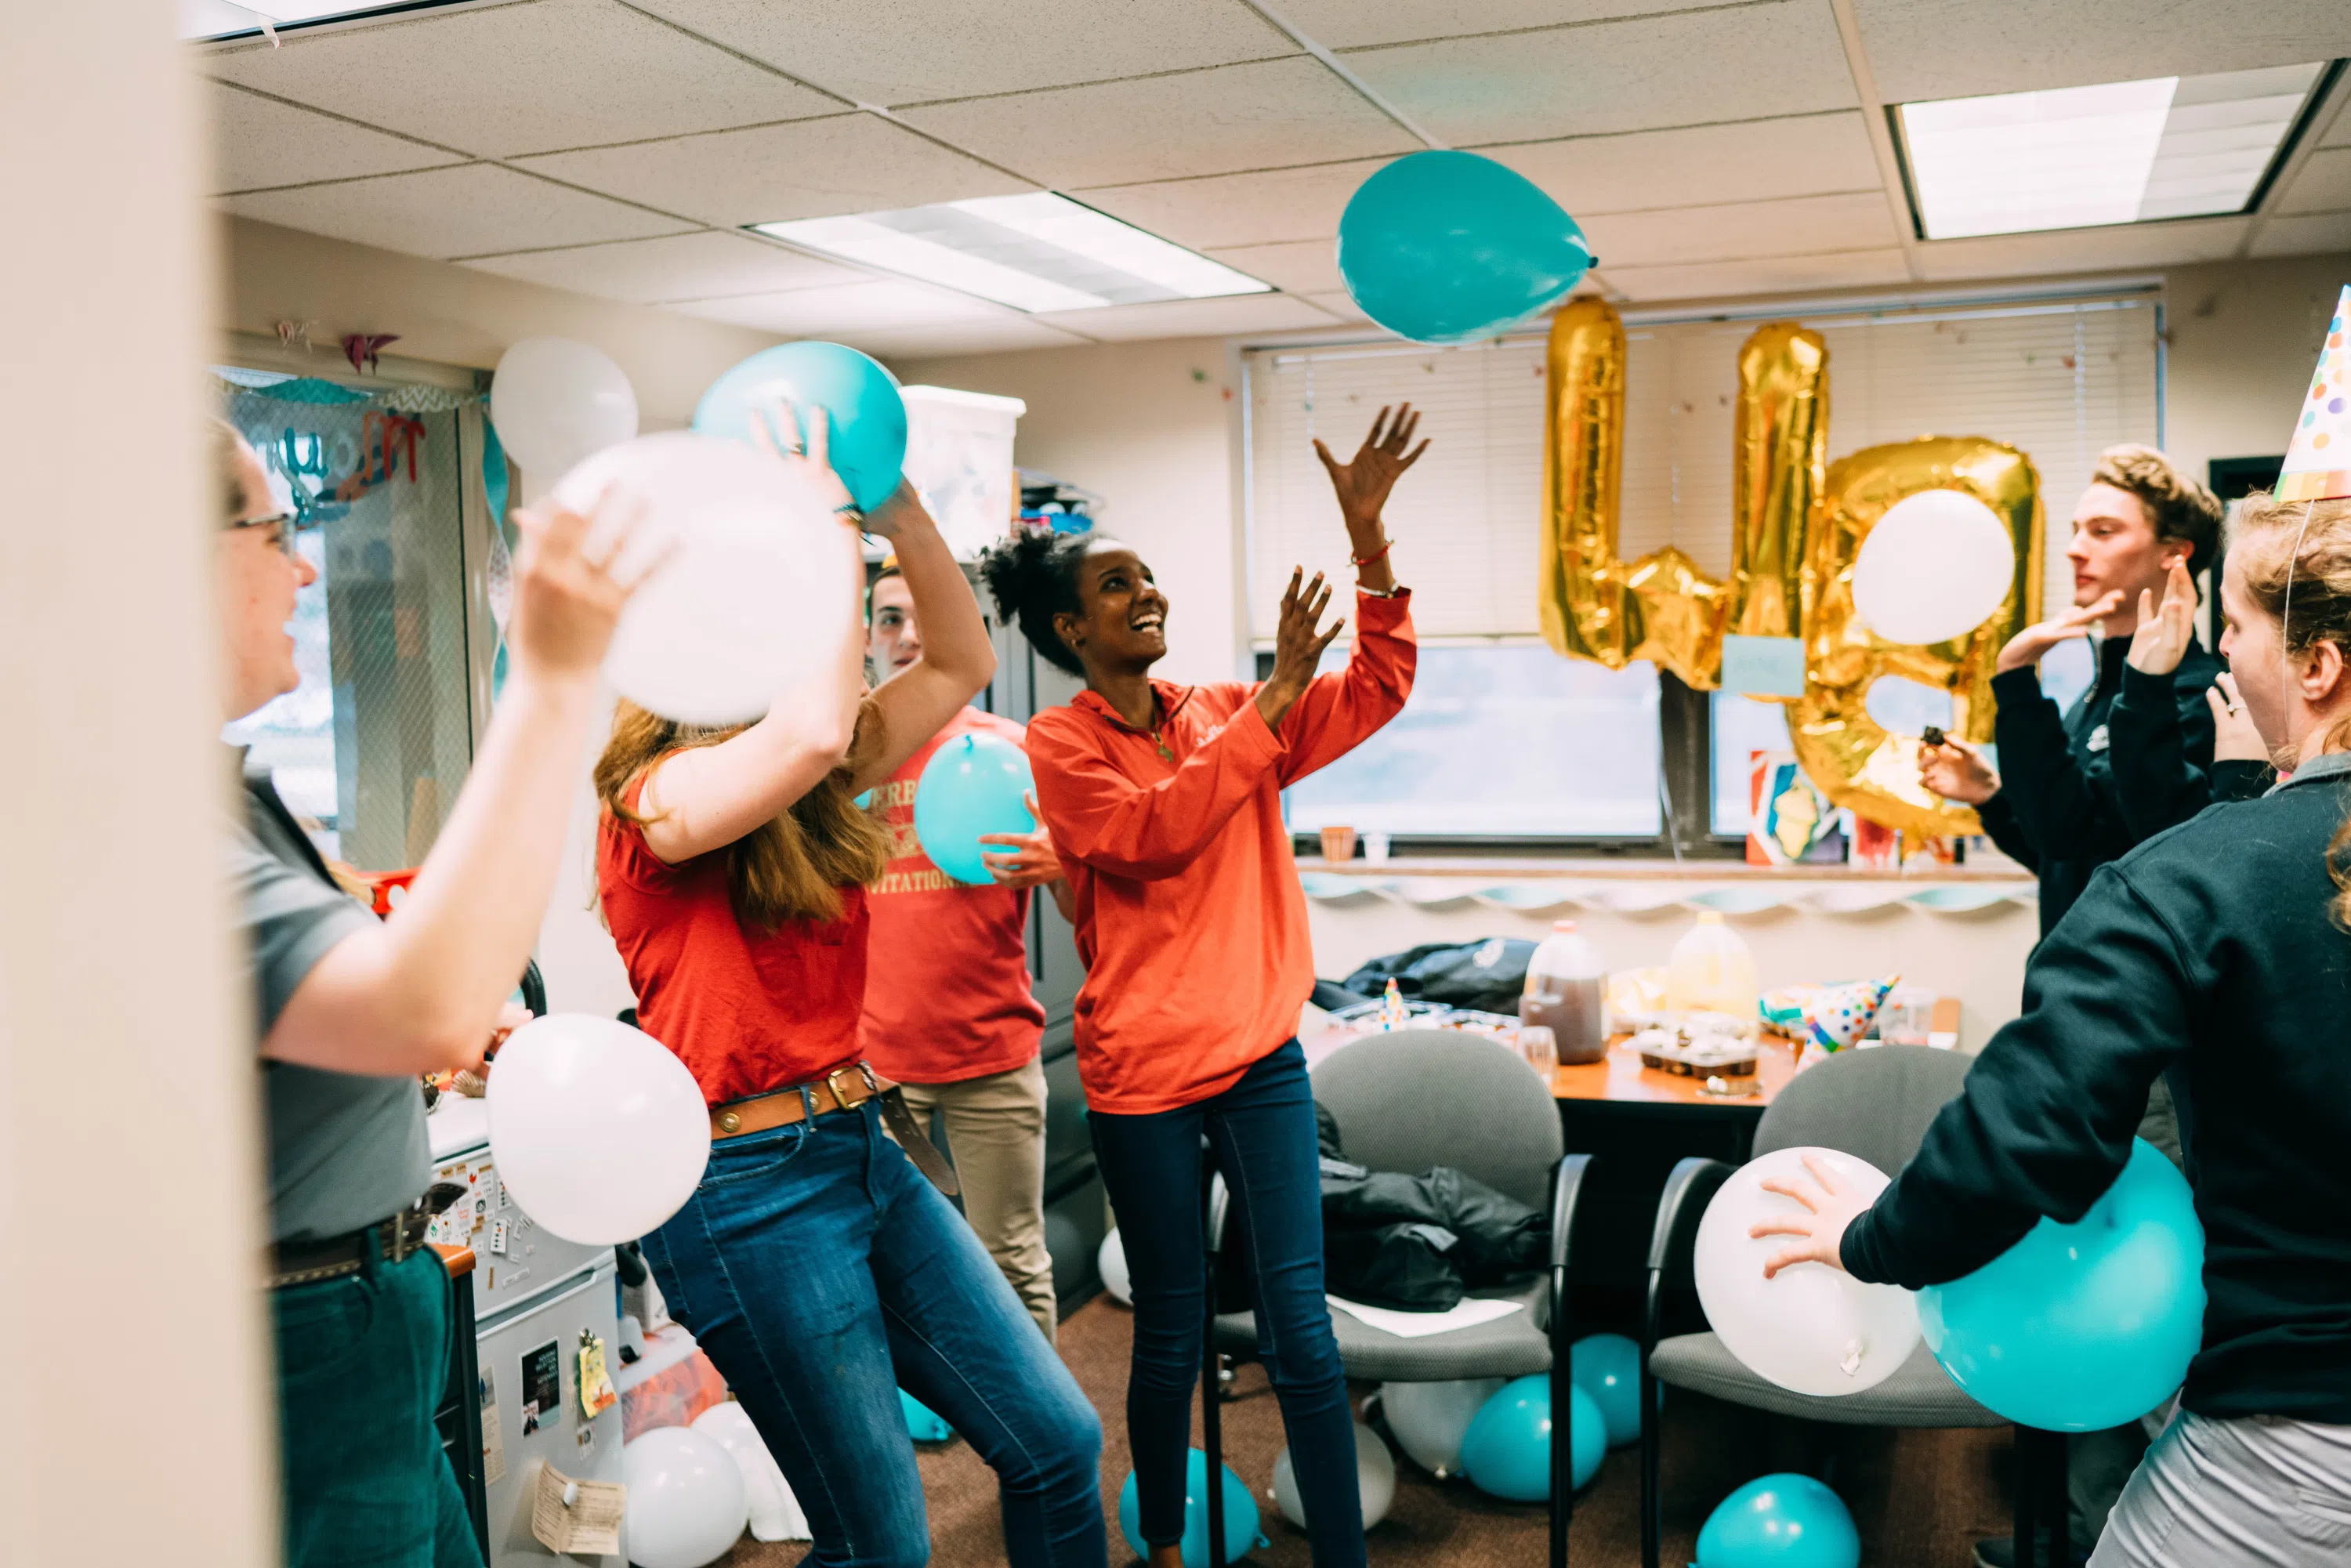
point(2061, 380)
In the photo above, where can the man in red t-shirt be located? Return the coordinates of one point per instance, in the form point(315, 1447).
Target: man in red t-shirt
point(948, 1012)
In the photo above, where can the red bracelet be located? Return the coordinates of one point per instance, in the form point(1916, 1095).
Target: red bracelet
point(1365, 560)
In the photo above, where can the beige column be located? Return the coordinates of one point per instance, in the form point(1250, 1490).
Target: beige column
point(137, 1382)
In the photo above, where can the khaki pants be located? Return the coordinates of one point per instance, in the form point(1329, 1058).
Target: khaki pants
point(995, 1128)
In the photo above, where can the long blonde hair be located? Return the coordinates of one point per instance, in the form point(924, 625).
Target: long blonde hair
point(2294, 560)
point(790, 867)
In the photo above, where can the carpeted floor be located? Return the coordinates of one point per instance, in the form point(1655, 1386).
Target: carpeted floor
point(1920, 1497)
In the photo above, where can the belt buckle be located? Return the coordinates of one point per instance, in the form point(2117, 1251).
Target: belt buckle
point(839, 1099)
point(400, 1245)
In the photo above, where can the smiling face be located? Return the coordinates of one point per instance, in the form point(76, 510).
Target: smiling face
point(2114, 546)
point(1121, 626)
point(893, 641)
point(255, 581)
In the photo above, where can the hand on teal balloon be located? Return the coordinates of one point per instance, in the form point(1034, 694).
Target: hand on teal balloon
point(1031, 862)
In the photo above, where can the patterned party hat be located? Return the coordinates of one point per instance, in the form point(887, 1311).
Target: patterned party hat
point(2318, 464)
point(1840, 1015)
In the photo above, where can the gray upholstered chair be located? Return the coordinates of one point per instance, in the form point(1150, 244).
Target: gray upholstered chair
point(1417, 1097)
point(1875, 1104)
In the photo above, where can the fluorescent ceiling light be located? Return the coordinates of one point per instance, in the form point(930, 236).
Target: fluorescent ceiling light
point(201, 20)
point(2081, 157)
point(1039, 252)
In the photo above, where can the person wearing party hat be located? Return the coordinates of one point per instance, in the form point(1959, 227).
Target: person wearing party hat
point(1165, 802)
point(2217, 955)
point(954, 1018)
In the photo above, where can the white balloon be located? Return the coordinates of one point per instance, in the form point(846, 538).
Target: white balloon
point(1375, 1480)
point(775, 1513)
point(1934, 567)
point(597, 1130)
point(1110, 1263)
point(686, 1504)
point(1429, 1419)
point(759, 586)
point(555, 401)
point(1812, 1329)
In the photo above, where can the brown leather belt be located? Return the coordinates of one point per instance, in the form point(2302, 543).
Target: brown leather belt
point(844, 1088)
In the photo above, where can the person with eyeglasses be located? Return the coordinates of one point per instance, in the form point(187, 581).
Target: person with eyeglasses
point(348, 1010)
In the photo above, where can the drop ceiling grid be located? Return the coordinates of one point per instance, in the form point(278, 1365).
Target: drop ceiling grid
point(1713, 148)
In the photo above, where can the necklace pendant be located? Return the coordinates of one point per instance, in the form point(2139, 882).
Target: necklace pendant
point(1165, 754)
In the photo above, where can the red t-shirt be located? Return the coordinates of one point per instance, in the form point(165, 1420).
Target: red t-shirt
point(746, 1011)
point(950, 960)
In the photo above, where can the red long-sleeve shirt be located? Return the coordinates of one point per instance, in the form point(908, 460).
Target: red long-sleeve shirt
point(1190, 917)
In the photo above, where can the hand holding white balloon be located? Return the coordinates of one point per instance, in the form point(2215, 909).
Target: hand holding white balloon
point(1811, 1328)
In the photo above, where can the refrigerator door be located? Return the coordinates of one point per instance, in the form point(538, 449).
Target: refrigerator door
point(531, 1416)
point(514, 1258)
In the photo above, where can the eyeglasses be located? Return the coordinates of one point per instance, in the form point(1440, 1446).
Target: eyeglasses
point(287, 524)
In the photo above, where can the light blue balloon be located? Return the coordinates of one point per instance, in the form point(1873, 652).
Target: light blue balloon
point(1447, 246)
point(923, 1424)
point(867, 416)
point(1240, 1515)
point(1607, 1366)
point(1779, 1521)
point(972, 785)
point(2082, 1327)
point(1507, 1451)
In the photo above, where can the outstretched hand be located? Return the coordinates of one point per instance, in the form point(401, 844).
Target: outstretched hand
point(1298, 647)
point(1362, 484)
point(2028, 646)
point(1829, 1205)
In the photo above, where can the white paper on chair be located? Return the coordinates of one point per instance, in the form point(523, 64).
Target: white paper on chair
point(1468, 1312)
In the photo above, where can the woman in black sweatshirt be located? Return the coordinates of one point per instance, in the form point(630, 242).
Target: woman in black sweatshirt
point(2217, 955)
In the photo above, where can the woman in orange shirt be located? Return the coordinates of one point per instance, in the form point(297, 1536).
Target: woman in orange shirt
point(817, 1268)
point(1165, 803)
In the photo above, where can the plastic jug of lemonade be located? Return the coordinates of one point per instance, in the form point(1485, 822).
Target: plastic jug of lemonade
point(1711, 970)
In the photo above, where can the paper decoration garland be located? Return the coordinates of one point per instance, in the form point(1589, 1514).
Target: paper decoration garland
point(2318, 464)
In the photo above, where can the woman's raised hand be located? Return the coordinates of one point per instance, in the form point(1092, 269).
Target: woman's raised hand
point(568, 590)
point(2163, 635)
point(812, 458)
point(1298, 647)
point(1362, 484)
point(2234, 738)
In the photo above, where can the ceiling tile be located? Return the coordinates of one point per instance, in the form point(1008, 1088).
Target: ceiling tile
point(1801, 225)
point(1745, 63)
point(2313, 235)
point(506, 80)
point(2084, 250)
point(2322, 185)
point(1756, 160)
point(1958, 48)
point(1267, 208)
point(1299, 266)
point(1192, 317)
point(258, 142)
point(894, 52)
point(809, 169)
point(476, 209)
point(1341, 305)
point(2339, 133)
point(976, 337)
point(1775, 274)
point(706, 266)
point(1263, 116)
point(1351, 24)
point(876, 304)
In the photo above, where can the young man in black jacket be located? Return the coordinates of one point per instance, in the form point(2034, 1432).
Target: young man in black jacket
point(2217, 955)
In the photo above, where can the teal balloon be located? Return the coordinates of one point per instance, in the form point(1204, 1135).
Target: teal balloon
point(1240, 1515)
point(1779, 1521)
point(2081, 1327)
point(867, 418)
point(1607, 1366)
point(923, 1424)
point(1507, 1451)
point(971, 786)
point(1448, 246)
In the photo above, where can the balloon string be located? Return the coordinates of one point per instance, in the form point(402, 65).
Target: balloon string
point(2285, 624)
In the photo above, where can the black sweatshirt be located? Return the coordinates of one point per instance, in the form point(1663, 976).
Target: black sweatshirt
point(2060, 810)
point(2208, 953)
point(2150, 749)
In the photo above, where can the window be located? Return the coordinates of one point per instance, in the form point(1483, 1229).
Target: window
point(375, 743)
point(1646, 764)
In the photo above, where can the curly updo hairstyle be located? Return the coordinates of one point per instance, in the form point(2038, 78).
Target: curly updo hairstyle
point(1033, 577)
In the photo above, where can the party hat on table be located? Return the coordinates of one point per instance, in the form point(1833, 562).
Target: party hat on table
point(2318, 464)
point(1840, 1015)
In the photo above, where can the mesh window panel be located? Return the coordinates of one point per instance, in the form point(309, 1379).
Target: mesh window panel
point(376, 741)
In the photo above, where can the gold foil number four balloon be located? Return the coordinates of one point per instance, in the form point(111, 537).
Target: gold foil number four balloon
point(1798, 529)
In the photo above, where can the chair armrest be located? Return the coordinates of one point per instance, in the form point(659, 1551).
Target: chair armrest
point(1690, 1187)
point(1567, 1188)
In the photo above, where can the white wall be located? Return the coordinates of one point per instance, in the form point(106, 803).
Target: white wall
point(2244, 337)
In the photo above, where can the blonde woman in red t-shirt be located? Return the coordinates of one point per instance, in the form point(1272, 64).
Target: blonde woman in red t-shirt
point(1165, 801)
point(817, 1267)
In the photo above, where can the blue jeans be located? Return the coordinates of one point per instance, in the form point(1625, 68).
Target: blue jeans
point(1262, 1130)
point(361, 1364)
point(822, 1273)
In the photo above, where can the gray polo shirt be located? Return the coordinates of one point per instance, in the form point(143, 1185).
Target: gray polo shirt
point(344, 1150)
